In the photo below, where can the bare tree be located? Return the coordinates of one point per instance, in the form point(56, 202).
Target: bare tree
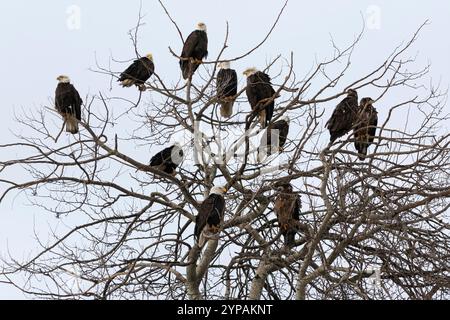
point(377, 229)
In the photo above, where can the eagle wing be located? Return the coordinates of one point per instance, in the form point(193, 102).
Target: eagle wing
point(159, 158)
point(140, 70)
point(341, 121)
point(298, 206)
point(287, 208)
point(210, 212)
point(365, 130)
point(373, 122)
point(131, 72)
point(196, 46)
point(68, 100)
point(226, 83)
point(259, 88)
point(191, 45)
point(283, 131)
point(77, 103)
point(283, 208)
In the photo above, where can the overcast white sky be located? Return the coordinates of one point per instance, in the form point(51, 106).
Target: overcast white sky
point(42, 39)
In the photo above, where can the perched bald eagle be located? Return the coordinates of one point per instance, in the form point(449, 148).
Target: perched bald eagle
point(365, 127)
point(287, 208)
point(210, 216)
point(138, 72)
point(195, 49)
point(168, 159)
point(343, 117)
point(226, 89)
point(277, 131)
point(68, 103)
point(260, 94)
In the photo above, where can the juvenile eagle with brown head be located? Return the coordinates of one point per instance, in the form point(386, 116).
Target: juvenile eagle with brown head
point(287, 208)
point(343, 117)
point(365, 127)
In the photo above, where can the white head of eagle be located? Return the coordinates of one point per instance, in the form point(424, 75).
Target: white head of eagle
point(224, 65)
point(250, 71)
point(63, 79)
point(177, 153)
point(218, 190)
point(286, 119)
point(149, 57)
point(201, 26)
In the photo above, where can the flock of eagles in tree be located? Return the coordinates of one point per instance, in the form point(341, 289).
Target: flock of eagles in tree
point(348, 115)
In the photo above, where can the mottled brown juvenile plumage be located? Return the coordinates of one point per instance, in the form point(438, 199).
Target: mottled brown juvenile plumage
point(365, 127)
point(343, 117)
point(287, 208)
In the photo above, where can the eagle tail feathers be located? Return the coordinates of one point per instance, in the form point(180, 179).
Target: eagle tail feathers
point(226, 109)
point(72, 124)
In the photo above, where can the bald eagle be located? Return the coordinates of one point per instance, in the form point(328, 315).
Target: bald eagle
point(168, 159)
point(287, 208)
point(365, 127)
point(138, 72)
point(68, 103)
point(260, 94)
point(279, 132)
point(195, 49)
point(343, 117)
point(226, 89)
point(210, 215)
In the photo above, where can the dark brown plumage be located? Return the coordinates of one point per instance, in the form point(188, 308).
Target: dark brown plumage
point(287, 208)
point(210, 215)
point(168, 159)
point(260, 95)
point(365, 127)
point(68, 103)
point(138, 72)
point(279, 131)
point(226, 89)
point(195, 49)
point(343, 117)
